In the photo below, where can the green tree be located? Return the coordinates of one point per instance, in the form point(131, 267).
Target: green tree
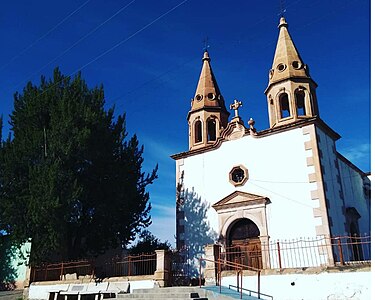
point(148, 243)
point(71, 180)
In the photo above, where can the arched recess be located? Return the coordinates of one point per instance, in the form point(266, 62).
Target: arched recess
point(211, 130)
point(198, 131)
point(241, 230)
point(284, 105)
point(352, 217)
point(300, 98)
point(243, 227)
point(243, 243)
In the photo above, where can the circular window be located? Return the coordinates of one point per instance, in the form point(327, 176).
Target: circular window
point(296, 65)
point(211, 96)
point(198, 97)
point(238, 175)
point(281, 67)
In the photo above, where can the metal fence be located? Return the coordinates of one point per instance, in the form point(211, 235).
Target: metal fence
point(62, 270)
point(130, 265)
point(304, 252)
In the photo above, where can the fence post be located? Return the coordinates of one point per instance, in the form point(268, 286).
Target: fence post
point(241, 281)
point(258, 284)
point(340, 252)
point(279, 254)
point(45, 275)
point(32, 277)
point(219, 274)
point(161, 275)
point(200, 272)
point(238, 280)
point(62, 271)
point(211, 253)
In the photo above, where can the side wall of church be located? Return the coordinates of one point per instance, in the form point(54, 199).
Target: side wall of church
point(344, 188)
point(331, 183)
point(278, 167)
point(355, 195)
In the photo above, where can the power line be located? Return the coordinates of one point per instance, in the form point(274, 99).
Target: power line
point(271, 43)
point(43, 36)
point(131, 36)
point(282, 196)
point(75, 43)
point(119, 43)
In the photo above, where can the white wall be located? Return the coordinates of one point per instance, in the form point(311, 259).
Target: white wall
point(344, 188)
point(277, 170)
point(41, 291)
point(322, 286)
point(21, 264)
point(332, 183)
point(352, 185)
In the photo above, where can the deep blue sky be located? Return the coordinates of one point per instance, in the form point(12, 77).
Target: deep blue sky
point(152, 73)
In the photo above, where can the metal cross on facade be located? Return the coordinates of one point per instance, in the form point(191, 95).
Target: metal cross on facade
point(235, 106)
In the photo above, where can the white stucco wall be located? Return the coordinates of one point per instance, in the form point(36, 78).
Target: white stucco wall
point(21, 264)
point(344, 187)
point(332, 183)
point(41, 291)
point(322, 286)
point(277, 170)
point(353, 189)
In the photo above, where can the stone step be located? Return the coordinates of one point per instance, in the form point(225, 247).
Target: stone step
point(11, 295)
point(191, 293)
point(178, 289)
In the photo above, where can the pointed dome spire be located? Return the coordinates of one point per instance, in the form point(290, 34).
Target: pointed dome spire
point(207, 93)
point(287, 62)
point(291, 92)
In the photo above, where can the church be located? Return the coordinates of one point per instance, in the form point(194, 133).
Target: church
point(249, 187)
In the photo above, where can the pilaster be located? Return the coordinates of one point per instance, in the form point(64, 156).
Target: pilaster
point(163, 265)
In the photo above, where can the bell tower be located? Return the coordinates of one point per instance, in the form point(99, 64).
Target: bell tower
point(291, 92)
point(208, 115)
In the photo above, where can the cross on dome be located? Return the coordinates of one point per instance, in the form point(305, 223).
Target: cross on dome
point(235, 106)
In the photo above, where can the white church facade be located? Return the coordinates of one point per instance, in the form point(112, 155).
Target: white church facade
point(284, 182)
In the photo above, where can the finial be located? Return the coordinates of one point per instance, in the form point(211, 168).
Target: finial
point(283, 23)
point(206, 56)
point(205, 49)
point(251, 123)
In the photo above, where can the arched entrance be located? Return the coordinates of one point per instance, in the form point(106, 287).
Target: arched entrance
point(243, 243)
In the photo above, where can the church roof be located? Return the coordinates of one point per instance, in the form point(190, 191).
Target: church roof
point(207, 93)
point(287, 62)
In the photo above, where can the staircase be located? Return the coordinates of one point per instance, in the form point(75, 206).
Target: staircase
point(191, 293)
point(11, 295)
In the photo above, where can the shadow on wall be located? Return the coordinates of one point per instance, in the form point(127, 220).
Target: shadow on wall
point(8, 272)
point(197, 230)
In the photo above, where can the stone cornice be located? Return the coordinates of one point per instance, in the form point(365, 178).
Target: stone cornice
point(263, 133)
point(294, 79)
point(248, 199)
